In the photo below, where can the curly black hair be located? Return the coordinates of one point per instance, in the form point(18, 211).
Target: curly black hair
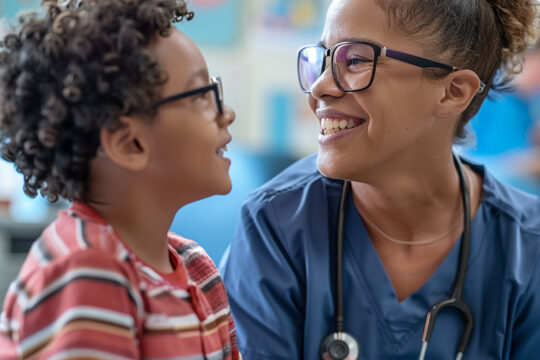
point(69, 70)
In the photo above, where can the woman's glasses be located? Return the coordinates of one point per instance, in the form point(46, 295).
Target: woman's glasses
point(216, 87)
point(353, 64)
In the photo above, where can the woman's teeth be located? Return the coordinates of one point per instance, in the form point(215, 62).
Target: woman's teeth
point(331, 126)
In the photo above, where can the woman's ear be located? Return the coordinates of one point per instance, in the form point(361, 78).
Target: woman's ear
point(127, 146)
point(462, 86)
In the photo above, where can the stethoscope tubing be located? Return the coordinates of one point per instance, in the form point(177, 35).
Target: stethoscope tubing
point(456, 299)
point(339, 256)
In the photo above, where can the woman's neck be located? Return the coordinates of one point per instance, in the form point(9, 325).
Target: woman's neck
point(426, 221)
point(415, 207)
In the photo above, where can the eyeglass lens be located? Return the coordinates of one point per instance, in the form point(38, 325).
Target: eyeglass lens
point(352, 66)
point(310, 66)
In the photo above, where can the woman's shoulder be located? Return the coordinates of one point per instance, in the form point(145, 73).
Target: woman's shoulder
point(509, 204)
point(296, 181)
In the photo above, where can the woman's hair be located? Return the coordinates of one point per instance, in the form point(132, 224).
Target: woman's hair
point(70, 69)
point(486, 36)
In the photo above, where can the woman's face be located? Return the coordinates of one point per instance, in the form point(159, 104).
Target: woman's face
point(188, 136)
point(395, 117)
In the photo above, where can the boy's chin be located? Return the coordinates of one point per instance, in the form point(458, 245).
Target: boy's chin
point(226, 188)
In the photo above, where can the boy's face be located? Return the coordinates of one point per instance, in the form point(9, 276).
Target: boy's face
point(188, 136)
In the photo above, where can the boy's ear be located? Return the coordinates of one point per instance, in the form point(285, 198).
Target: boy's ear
point(127, 146)
point(461, 88)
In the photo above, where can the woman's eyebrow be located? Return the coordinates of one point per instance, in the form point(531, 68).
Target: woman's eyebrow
point(353, 39)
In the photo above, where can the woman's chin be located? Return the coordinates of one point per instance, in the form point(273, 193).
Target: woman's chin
point(330, 169)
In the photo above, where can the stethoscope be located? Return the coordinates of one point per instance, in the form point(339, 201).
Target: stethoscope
point(341, 345)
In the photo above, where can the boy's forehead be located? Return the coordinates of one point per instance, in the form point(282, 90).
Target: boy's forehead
point(178, 55)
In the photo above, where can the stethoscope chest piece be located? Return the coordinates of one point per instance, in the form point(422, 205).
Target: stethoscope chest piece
point(339, 346)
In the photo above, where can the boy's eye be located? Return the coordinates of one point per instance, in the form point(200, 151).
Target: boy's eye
point(201, 96)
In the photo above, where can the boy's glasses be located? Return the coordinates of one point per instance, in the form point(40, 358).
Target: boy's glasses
point(353, 64)
point(216, 87)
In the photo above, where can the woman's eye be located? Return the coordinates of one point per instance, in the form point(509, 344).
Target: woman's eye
point(358, 61)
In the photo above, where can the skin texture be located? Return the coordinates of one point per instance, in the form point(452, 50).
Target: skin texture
point(400, 160)
point(147, 170)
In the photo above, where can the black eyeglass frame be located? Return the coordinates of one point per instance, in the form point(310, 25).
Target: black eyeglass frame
point(378, 52)
point(216, 87)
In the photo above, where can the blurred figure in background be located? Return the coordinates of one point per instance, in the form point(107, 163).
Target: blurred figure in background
point(528, 86)
point(506, 131)
point(105, 104)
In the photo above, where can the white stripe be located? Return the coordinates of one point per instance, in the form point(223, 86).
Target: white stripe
point(159, 290)
point(84, 312)
point(178, 293)
point(57, 240)
point(209, 279)
point(94, 273)
point(148, 271)
point(213, 317)
point(123, 254)
point(86, 353)
point(215, 355)
point(193, 253)
point(79, 234)
point(35, 250)
point(14, 325)
point(163, 322)
point(4, 322)
point(22, 297)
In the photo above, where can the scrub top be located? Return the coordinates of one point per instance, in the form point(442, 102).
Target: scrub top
point(280, 271)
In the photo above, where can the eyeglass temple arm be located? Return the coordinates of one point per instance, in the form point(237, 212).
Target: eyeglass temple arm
point(423, 63)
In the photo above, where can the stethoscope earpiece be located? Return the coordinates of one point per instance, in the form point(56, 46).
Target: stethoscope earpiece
point(340, 346)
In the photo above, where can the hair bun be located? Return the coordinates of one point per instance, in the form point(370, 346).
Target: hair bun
point(518, 29)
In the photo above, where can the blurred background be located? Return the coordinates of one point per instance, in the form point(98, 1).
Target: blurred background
point(252, 45)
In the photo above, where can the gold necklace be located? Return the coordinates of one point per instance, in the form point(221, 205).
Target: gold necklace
point(423, 242)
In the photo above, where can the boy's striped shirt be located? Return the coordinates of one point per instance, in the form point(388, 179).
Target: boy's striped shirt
point(81, 293)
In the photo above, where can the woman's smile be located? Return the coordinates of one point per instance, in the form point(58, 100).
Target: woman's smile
point(335, 124)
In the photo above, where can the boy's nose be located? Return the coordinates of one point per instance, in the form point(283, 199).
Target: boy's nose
point(228, 116)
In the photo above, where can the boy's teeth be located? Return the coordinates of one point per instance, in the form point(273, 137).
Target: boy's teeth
point(221, 150)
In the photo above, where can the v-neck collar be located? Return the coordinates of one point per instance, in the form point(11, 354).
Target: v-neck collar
point(363, 259)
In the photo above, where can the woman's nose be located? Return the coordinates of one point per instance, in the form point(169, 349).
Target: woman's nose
point(326, 85)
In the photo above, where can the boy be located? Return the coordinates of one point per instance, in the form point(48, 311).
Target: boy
point(105, 104)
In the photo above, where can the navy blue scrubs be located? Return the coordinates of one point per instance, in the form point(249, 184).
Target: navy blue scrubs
point(280, 275)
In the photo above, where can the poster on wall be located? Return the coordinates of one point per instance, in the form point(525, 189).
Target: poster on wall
point(216, 22)
point(292, 18)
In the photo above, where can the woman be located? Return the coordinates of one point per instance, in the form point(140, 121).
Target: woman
point(107, 105)
point(392, 84)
